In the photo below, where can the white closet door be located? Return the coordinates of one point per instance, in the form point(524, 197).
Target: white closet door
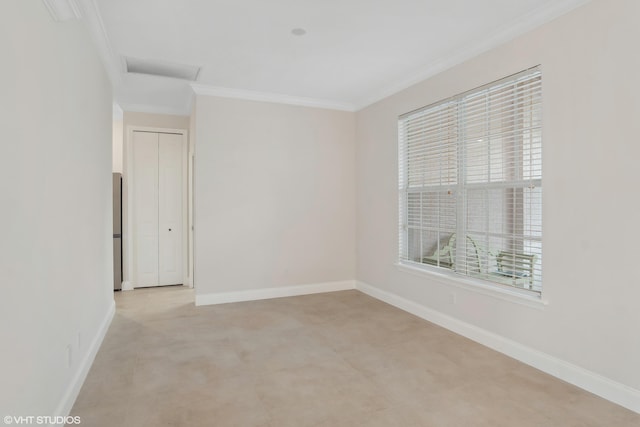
point(170, 180)
point(145, 208)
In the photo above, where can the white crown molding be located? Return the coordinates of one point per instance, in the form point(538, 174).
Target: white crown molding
point(93, 19)
point(500, 36)
point(89, 10)
point(249, 95)
point(63, 10)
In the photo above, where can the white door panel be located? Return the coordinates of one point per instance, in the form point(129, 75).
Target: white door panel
point(170, 213)
point(145, 208)
point(158, 185)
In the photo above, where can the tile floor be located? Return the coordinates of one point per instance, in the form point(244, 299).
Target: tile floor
point(336, 359)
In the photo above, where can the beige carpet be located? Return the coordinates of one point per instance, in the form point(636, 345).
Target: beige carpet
point(336, 359)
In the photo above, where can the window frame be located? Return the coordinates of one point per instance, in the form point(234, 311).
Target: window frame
point(460, 190)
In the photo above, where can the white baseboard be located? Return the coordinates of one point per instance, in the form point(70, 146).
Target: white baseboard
point(286, 291)
point(71, 394)
point(127, 285)
point(597, 384)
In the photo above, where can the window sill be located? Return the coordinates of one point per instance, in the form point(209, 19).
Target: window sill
point(521, 297)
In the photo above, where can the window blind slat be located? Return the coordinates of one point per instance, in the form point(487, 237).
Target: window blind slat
point(472, 166)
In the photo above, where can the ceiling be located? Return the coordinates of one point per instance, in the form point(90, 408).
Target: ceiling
point(354, 52)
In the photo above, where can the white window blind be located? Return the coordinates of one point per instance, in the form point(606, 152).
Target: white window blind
point(471, 166)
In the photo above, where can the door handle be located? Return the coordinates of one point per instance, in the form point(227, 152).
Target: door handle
point(169, 229)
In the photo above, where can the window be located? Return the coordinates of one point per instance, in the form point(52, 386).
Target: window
point(471, 183)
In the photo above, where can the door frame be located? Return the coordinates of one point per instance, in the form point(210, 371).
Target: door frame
point(127, 205)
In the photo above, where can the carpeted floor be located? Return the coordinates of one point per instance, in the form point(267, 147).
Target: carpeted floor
point(336, 359)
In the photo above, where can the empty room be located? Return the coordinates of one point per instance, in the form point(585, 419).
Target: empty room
point(320, 213)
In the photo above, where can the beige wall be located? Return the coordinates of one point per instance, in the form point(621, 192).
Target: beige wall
point(55, 180)
point(591, 281)
point(167, 121)
point(274, 195)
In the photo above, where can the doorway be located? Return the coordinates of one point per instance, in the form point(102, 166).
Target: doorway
point(157, 208)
